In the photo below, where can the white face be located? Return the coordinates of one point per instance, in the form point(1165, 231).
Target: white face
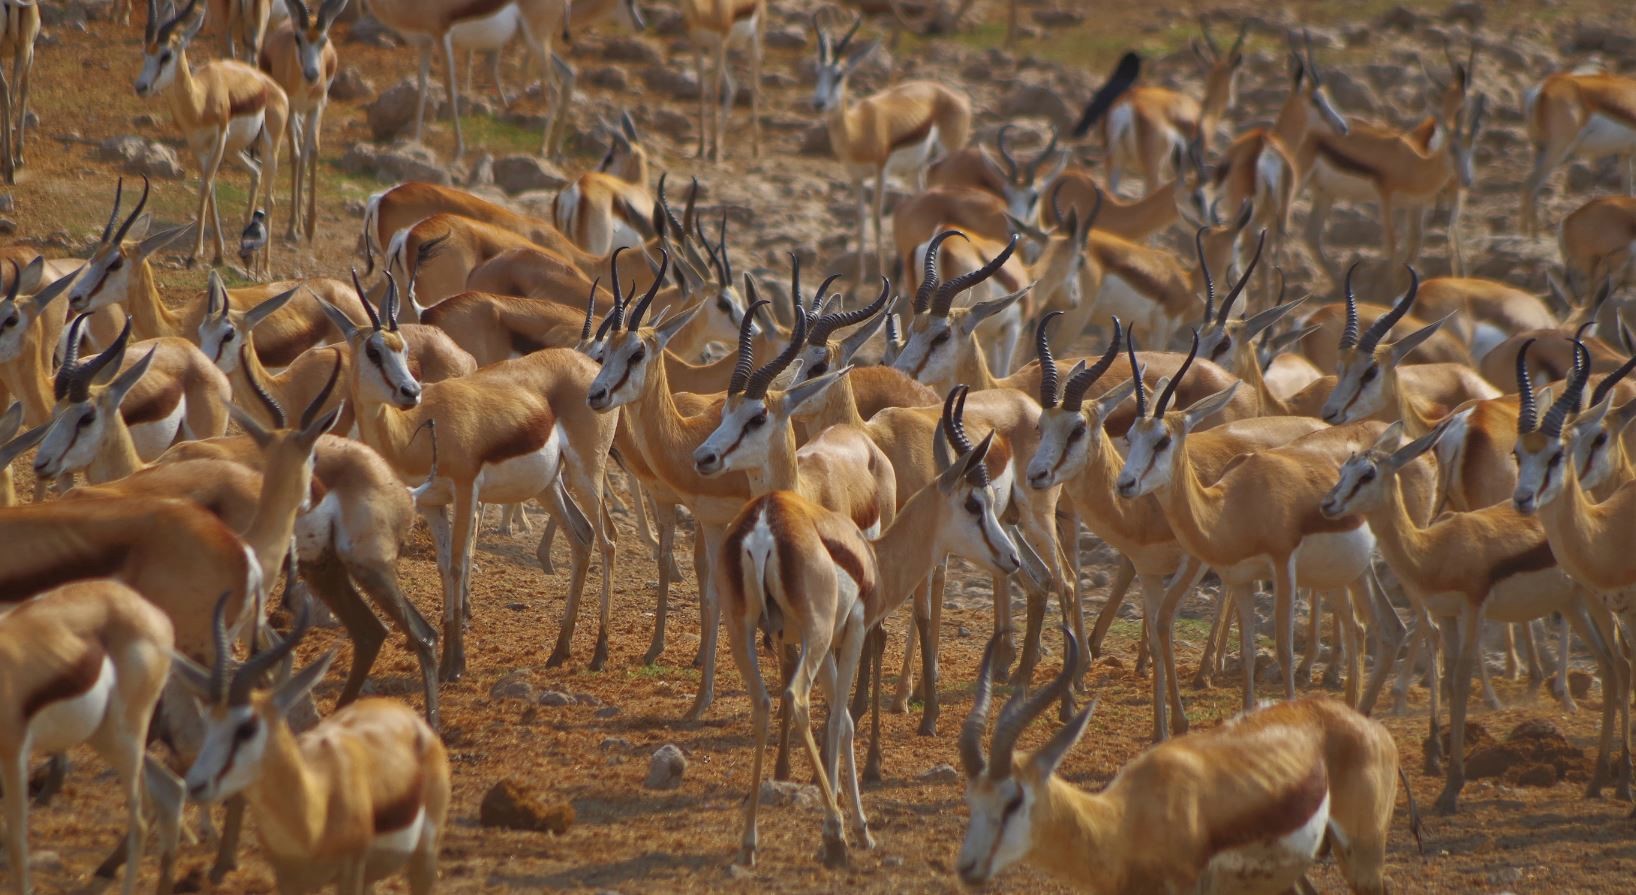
point(742, 441)
point(624, 371)
point(1359, 488)
point(158, 69)
point(1062, 283)
point(1150, 446)
point(220, 340)
point(309, 49)
point(235, 740)
point(831, 79)
point(1064, 449)
point(71, 443)
point(724, 316)
point(106, 281)
point(1592, 447)
point(384, 370)
point(931, 351)
point(976, 533)
point(1542, 463)
point(999, 831)
point(1022, 201)
point(1360, 390)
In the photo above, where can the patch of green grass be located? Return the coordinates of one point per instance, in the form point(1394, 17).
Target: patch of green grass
point(498, 136)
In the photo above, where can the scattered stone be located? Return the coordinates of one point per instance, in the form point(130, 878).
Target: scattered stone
point(193, 881)
point(1059, 18)
point(607, 77)
point(1402, 18)
point(939, 773)
point(521, 173)
point(396, 162)
point(786, 793)
point(350, 84)
point(892, 861)
point(1038, 101)
point(666, 768)
point(609, 744)
point(141, 157)
point(738, 871)
point(367, 30)
point(508, 805)
point(587, 699)
point(555, 697)
point(1535, 753)
point(611, 711)
point(1099, 578)
point(815, 141)
point(680, 83)
point(1579, 684)
point(1470, 12)
point(393, 112)
point(44, 861)
point(7, 203)
point(787, 38)
point(513, 685)
point(515, 605)
point(630, 49)
point(8, 227)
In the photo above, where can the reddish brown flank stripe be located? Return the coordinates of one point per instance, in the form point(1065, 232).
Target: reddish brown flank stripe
point(744, 10)
point(475, 9)
point(155, 407)
point(525, 439)
point(918, 135)
point(855, 567)
point(401, 811)
point(1274, 819)
point(74, 680)
point(1347, 164)
point(1133, 274)
point(238, 106)
point(28, 582)
point(1536, 559)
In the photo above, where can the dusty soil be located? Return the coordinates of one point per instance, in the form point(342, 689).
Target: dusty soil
point(594, 753)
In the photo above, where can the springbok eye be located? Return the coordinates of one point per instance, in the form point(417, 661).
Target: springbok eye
point(1370, 374)
point(165, 56)
point(374, 354)
point(228, 337)
point(940, 338)
point(973, 505)
point(1163, 444)
point(87, 420)
point(10, 322)
point(245, 731)
point(818, 369)
point(1599, 441)
point(1368, 475)
point(1555, 461)
point(724, 304)
point(1013, 806)
point(757, 421)
point(1077, 434)
point(639, 354)
point(117, 263)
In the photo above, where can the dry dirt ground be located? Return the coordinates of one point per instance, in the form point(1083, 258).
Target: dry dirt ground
point(595, 753)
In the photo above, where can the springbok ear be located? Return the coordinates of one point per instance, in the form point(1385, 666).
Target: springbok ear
point(287, 694)
point(1405, 346)
point(193, 28)
point(162, 239)
point(1622, 417)
point(128, 379)
point(1032, 565)
point(193, 677)
point(860, 55)
point(803, 392)
point(1389, 439)
point(339, 319)
point(986, 309)
point(25, 442)
point(861, 337)
point(1114, 397)
point(671, 327)
point(628, 127)
point(1265, 320)
point(1048, 757)
point(255, 430)
point(310, 435)
point(11, 421)
point(28, 279)
point(1407, 454)
point(1208, 407)
point(256, 315)
point(1029, 231)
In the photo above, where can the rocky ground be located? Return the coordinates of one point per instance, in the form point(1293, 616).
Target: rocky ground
point(571, 751)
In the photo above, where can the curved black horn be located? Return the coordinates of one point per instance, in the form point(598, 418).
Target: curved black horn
point(1571, 396)
point(647, 299)
point(929, 280)
point(1612, 379)
point(1048, 363)
point(746, 343)
point(274, 409)
point(820, 329)
point(1382, 326)
point(954, 429)
point(1005, 152)
point(316, 405)
point(363, 299)
point(1170, 387)
point(947, 290)
point(78, 386)
point(1527, 408)
point(763, 378)
point(244, 680)
point(1136, 375)
point(1243, 280)
point(817, 303)
point(113, 217)
point(1073, 394)
point(1209, 278)
point(590, 312)
point(224, 648)
point(1050, 148)
point(1349, 335)
point(972, 759)
point(136, 212)
point(389, 302)
point(1021, 710)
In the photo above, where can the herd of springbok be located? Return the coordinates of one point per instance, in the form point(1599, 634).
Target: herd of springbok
point(832, 457)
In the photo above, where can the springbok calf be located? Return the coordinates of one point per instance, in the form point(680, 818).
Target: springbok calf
point(19, 28)
point(223, 108)
point(610, 207)
point(894, 132)
point(84, 663)
point(302, 59)
point(1579, 112)
point(714, 26)
point(827, 585)
point(1242, 808)
point(354, 800)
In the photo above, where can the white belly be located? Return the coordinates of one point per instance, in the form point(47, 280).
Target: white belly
point(488, 33)
point(1604, 136)
point(151, 439)
point(1269, 173)
point(522, 477)
point(1485, 337)
point(242, 131)
point(1267, 867)
point(743, 30)
point(69, 722)
point(315, 528)
point(1333, 560)
point(623, 236)
point(1122, 132)
point(908, 160)
point(399, 843)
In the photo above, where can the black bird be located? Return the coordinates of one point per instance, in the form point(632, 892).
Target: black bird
point(254, 238)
